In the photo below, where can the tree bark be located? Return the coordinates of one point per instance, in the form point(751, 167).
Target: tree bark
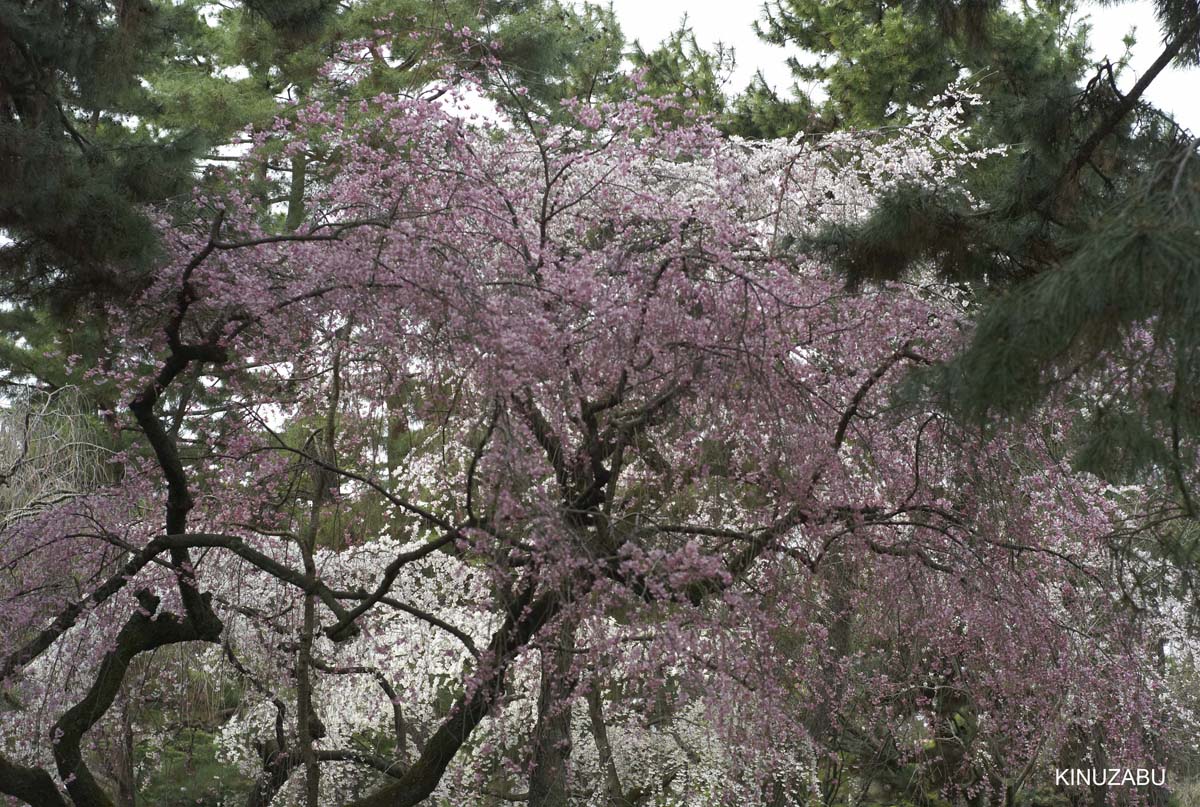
point(614, 793)
point(295, 209)
point(33, 786)
point(550, 778)
point(126, 777)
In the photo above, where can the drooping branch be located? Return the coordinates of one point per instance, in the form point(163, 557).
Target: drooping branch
point(458, 633)
point(904, 352)
point(398, 721)
point(614, 792)
point(547, 439)
point(476, 456)
point(374, 761)
point(162, 442)
point(344, 628)
point(399, 502)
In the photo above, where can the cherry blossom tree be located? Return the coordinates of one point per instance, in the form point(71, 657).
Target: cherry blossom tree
point(542, 464)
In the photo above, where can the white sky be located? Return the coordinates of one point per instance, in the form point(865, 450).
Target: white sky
point(1177, 91)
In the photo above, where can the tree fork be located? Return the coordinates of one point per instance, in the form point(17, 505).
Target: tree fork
point(146, 630)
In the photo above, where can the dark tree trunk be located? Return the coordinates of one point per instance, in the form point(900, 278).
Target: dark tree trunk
point(126, 778)
point(550, 780)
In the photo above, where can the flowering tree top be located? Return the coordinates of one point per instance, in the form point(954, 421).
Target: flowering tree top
point(515, 386)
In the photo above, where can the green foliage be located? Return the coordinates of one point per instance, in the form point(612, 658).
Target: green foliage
point(1117, 444)
point(1026, 66)
point(293, 18)
point(762, 113)
point(78, 152)
point(186, 772)
point(911, 225)
point(679, 67)
point(557, 51)
point(1131, 267)
point(878, 59)
point(882, 57)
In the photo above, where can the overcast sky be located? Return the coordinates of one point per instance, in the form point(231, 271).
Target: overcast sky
point(731, 22)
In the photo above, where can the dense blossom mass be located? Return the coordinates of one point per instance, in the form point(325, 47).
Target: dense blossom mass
point(543, 462)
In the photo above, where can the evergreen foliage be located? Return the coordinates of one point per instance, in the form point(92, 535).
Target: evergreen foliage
point(1075, 245)
point(78, 152)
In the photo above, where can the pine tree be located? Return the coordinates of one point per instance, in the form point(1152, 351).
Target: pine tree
point(681, 68)
point(78, 152)
point(1082, 235)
